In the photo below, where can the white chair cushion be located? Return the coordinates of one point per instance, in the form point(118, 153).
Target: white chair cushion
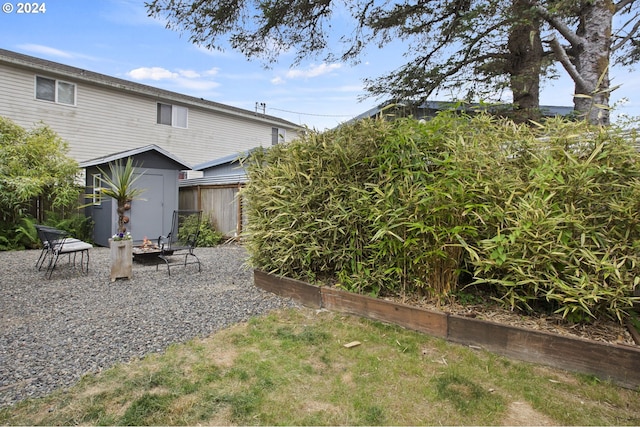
point(74, 247)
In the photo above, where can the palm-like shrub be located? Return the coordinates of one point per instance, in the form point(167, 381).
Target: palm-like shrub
point(119, 185)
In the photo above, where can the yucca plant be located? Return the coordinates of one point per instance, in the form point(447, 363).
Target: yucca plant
point(119, 186)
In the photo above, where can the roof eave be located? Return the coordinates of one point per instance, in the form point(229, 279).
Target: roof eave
point(133, 152)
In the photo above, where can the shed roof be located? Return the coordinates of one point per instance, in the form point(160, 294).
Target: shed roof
point(231, 158)
point(133, 152)
point(231, 179)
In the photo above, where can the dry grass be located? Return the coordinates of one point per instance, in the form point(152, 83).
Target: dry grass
point(291, 368)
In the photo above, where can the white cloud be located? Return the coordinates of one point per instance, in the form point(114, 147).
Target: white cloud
point(152, 73)
point(45, 50)
point(189, 74)
point(53, 52)
point(198, 85)
point(277, 80)
point(313, 71)
point(184, 81)
point(212, 71)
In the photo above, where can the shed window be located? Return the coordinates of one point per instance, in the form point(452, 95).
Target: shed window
point(97, 191)
point(55, 91)
point(172, 115)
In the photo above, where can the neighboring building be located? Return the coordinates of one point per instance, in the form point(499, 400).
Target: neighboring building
point(428, 109)
point(222, 170)
point(99, 115)
point(150, 215)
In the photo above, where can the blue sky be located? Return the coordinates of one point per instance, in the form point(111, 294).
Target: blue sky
point(117, 38)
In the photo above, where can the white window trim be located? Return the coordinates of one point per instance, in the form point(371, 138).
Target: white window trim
point(55, 94)
point(175, 110)
point(97, 190)
point(281, 136)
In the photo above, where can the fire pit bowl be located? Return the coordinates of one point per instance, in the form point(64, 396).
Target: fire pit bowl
point(148, 251)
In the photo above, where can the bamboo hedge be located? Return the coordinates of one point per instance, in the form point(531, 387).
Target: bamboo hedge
point(547, 217)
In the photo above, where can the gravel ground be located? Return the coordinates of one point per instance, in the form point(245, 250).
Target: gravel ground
point(54, 331)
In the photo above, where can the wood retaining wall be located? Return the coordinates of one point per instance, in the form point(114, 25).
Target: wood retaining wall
point(617, 363)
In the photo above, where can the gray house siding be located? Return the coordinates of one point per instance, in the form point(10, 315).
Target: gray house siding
point(226, 169)
point(150, 214)
point(112, 115)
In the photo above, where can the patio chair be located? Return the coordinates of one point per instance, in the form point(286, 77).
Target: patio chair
point(46, 248)
point(183, 237)
point(59, 243)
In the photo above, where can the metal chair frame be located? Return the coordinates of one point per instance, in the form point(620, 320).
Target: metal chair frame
point(46, 248)
point(173, 242)
point(57, 242)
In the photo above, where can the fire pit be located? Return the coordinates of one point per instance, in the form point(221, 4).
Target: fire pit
point(148, 251)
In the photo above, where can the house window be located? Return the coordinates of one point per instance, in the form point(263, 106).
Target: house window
point(55, 91)
point(97, 191)
point(172, 115)
point(277, 135)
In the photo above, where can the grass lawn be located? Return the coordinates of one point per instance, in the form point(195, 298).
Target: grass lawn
point(292, 368)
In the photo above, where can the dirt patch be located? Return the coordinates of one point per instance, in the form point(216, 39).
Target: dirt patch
point(221, 417)
point(522, 414)
point(315, 406)
point(224, 357)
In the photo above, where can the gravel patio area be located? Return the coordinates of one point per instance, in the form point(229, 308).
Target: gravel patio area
point(54, 331)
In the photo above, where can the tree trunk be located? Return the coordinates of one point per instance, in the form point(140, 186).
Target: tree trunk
point(591, 59)
point(121, 227)
point(524, 67)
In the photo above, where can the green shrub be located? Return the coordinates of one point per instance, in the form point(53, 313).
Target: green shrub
point(304, 202)
point(23, 235)
point(547, 216)
point(34, 163)
point(77, 225)
point(570, 235)
point(208, 236)
point(26, 235)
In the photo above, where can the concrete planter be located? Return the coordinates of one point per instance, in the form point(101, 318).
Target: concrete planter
point(121, 259)
point(617, 363)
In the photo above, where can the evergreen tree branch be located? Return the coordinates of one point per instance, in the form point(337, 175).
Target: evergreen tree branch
point(563, 58)
point(629, 35)
point(622, 4)
point(559, 25)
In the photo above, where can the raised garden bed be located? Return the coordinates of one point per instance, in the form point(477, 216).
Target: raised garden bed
point(618, 363)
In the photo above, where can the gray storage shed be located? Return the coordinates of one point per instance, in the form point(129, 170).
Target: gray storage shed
point(150, 216)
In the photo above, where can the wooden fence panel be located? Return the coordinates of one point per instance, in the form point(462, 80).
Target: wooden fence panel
point(188, 198)
point(221, 204)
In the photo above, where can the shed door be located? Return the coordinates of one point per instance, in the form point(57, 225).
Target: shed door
point(147, 216)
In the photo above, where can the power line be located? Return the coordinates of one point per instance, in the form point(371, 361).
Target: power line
point(311, 114)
